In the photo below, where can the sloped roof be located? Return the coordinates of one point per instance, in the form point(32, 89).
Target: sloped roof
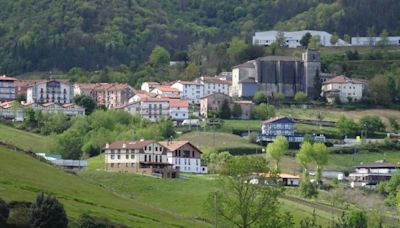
point(271, 120)
point(279, 58)
point(174, 145)
point(165, 88)
point(178, 103)
point(248, 64)
point(341, 79)
point(280, 175)
point(213, 94)
point(6, 78)
point(130, 144)
point(215, 80)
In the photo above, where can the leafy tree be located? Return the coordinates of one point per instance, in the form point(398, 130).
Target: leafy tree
point(20, 98)
point(394, 124)
point(308, 189)
point(310, 222)
point(277, 149)
point(238, 203)
point(280, 97)
point(304, 156)
point(320, 157)
point(315, 42)
point(305, 40)
point(159, 56)
point(347, 126)
point(86, 102)
point(215, 159)
point(236, 110)
point(390, 189)
point(263, 111)
point(47, 211)
point(236, 46)
point(191, 72)
point(87, 221)
point(334, 38)
point(380, 90)
point(347, 38)
point(250, 52)
point(384, 39)
point(280, 39)
point(260, 97)
point(4, 212)
point(300, 97)
point(166, 129)
point(357, 219)
point(371, 124)
point(225, 110)
point(371, 36)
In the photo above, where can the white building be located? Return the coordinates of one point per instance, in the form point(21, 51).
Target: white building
point(55, 91)
point(369, 175)
point(190, 91)
point(152, 109)
point(214, 85)
point(178, 109)
point(184, 156)
point(373, 41)
point(292, 39)
point(346, 89)
point(165, 90)
point(149, 86)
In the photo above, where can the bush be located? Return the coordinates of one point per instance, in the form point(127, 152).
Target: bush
point(21, 213)
point(308, 189)
point(263, 111)
point(87, 221)
point(47, 211)
point(300, 97)
point(4, 212)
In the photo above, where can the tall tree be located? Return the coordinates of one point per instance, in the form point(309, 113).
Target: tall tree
point(236, 110)
point(334, 39)
point(280, 39)
point(277, 149)
point(260, 97)
point(159, 56)
point(48, 212)
point(320, 156)
point(86, 102)
point(304, 156)
point(305, 40)
point(380, 90)
point(225, 110)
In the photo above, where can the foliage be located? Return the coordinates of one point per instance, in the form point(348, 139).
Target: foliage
point(380, 90)
point(263, 111)
point(308, 189)
point(310, 222)
point(236, 110)
point(260, 97)
point(315, 42)
point(347, 126)
point(300, 96)
point(253, 137)
point(277, 149)
point(394, 124)
point(280, 39)
point(225, 110)
point(334, 38)
point(390, 189)
point(159, 56)
point(305, 40)
point(4, 212)
point(357, 219)
point(87, 221)
point(371, 124)
point(280, 97)
point(47, 211)
point(86, 102)
point(239, 203)
point(320, 157)
point(304, 156)
point(45, 123)
point(215, 160)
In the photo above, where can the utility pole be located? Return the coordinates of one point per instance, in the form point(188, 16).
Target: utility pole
point(215, 206)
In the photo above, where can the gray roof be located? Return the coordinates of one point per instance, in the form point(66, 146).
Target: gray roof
point(279, 58)
point(378, 165)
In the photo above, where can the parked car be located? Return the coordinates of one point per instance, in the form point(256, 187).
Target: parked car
point(191, 122)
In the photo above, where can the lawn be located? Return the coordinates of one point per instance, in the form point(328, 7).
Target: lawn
point(22, 177)
point(26, 140)
point(241, 125)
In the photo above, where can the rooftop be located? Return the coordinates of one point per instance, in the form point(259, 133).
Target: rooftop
point(129, 144)
point(178, 103)
point(341, 79)
point(6, 78)
point(174, 145)
point(165, 88)
point(378, 164)
point(271, 120)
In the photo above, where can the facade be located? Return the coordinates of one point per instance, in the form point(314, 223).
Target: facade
point(69, 109)
point(55, 91)
point(7, 111)
point(166, 90)
point(214, 85)
point(369, 175)
point(212, 102)
point(373, 41)
point(143, 157)
point(178, 109)
point(246, 107)
point(190, 91)
point(281, 125)
point(149, 86)
point(7, 88)
point(184, 156)
point(21, 87)
point(344, 88)
point(152, 109)
point(292, 39)
point(276, 74)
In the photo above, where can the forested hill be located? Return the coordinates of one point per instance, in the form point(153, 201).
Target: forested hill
point(91, 34)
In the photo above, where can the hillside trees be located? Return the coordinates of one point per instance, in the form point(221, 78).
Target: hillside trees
point(263, 111)
point(48, 212)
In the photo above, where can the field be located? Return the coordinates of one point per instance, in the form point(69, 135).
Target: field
point(22, 177)
point(26, 140)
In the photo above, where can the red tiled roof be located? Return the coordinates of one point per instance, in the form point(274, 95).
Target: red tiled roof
point(178, 103)
point(5, 78)
point(342, 79)
point(188, 82)
point(165, 88)
point(154, 99)
point(130, 144)
point(174, 145)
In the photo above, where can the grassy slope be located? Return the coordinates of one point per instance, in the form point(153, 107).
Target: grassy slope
point(23, 177)
point(25, 140)
point(222, 140)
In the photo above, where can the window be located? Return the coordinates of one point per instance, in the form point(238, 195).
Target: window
point(112, 156)
point(119, 165)
point(132, 156)
point(112, 165)
point(156, 148)
point(145, 148)
point(145, 158)
point(132, 164)
point(126, 156)
point(119, 156)
point(149, 158)
point(193, 154)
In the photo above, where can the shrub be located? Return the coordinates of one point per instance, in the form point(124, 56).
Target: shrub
point(48, 212)
point(4, 212)
point(87, 221)
point(308, 189)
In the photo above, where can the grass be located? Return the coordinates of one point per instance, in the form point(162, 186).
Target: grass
point(241, 125)
point(217, 140)
point(22, 177)
point(26, 140)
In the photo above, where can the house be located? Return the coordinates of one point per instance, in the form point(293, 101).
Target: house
point(373, 41)
point(71, 165)
point(140, 95)
point(55, 91)
point(214, 85)
point(178, 109)
point(149, 86)
point(21, 87)
point(246, 107)
point(369, 175)
point(343, 88)
point(190, 91)
point(69, 109)
point(9, 111)
point(7, 88)
point(276, 74)
point(213, 103)
point(150, 108)
point(166, 90)
point(281, 125)
point(145, 157)
point(184, 156)
point(292, 39)
point(267, 178)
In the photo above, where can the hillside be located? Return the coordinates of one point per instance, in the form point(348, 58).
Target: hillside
point(46, 35)
point(22, 177)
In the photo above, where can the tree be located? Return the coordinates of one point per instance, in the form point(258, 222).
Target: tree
point(310, 222)
point(250, 52)
point(357, 219)
point(305, 40)
point(300, 96)
point(260, 97)
point(236, 46)
point(384, 39)
point(380, 90)
point(334, 38)
point(215, 159)
point(390, 189)
point(320, 156)
point(347, 38)
point(86, 102)
point(166, 129)
point(280, 39)
point(315, 42)
point(347, 126)
point(47, 211)
point(225, 110)
point(159, 56)
point(371, 124)
point(191, 72)
point(241, 204)
point(394, 124)
point(304, 156)
point(280, 97)
point(263, 112)
point(371, 36)
point(4, 212)
point(236, 110)
point(317, 85)
point(277, 149)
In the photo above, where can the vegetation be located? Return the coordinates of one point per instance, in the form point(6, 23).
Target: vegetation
point(86, 102)
point(263, 112)
point(48, 212)
point(4, 212)
point(214, 159)
point(300, 96)
point(277, 149)
point(260, 97)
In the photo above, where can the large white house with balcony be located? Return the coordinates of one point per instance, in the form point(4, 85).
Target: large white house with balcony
point(343, 88)
point(214, 85)
point(190, 91)
point(54, 91)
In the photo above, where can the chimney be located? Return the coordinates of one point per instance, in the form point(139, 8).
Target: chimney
point(107, 145)
point(123, 145)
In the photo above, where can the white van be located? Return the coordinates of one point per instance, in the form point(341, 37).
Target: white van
point(191, 122)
